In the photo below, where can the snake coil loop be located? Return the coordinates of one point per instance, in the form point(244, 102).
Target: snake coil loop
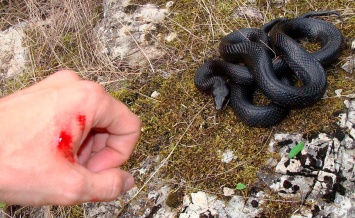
point(227, 80)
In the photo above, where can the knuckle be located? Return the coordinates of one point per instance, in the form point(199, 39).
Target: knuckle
point(74, 189)
point(92, 88)
point(69, 73)
point(90, 91)
point(115, 189)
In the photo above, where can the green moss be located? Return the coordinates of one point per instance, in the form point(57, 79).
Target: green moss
point(175, 198)
point(69, 212)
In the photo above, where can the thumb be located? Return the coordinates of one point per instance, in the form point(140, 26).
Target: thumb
point(108, 184)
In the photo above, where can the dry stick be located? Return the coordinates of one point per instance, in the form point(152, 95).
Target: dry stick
point(140, 48)
point(351, 95)
point(210, 18)
point(144, 54)
point(183, 28)
point(171, 152)
point(146, 96)
point(3, 213)
point(216, 21)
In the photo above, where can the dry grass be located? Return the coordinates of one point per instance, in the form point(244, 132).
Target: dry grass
point(181, 126)
point(59, 36)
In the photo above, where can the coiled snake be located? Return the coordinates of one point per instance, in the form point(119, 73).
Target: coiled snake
point(227, 80)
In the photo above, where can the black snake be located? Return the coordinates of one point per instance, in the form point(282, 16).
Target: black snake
point(228, 80)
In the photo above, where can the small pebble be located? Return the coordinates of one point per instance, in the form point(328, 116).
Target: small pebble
point(155, 94)
point(228, 191)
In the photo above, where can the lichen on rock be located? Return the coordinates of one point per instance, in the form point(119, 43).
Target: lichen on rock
point(125, 32)
point(12, 52)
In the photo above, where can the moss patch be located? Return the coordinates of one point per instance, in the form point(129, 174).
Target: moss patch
point(175, 198)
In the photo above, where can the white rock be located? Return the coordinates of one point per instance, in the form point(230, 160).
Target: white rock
point(347, 103)
point(280, 167)
point(169, 4)
point(271, 162)
point(200, 199)
point(338, 92)
point(12, 53)
point(351, 104)
point(322, 138)
point(155, 94)
point(342, 120)
point(236, 202)
point(228, 156)
point(237, 208)
point(294, 166)
point(228, 191)
point(349, 66)
point(186, 201)
point(348, 142)
point(152, 13)
point(247, 11)
point(127, 36)
point(352, 133)
point(171, 37)
point(351, 116)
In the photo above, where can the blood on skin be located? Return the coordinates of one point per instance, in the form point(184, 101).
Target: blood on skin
point(65, 146)
point(94, 200)
point(65, 140)
point(81, 119)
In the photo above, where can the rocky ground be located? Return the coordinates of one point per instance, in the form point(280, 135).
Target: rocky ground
point(321, 177)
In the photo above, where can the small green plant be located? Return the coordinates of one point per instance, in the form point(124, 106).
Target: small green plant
point(2, 205)
point(240, 186)
point(295, 150)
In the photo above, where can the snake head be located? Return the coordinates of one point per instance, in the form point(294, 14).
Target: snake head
point(220, 92)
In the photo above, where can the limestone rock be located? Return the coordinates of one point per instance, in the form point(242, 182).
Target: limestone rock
point(129, 32)
point(12, 52)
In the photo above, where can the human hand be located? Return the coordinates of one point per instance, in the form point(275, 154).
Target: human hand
point(61, 141)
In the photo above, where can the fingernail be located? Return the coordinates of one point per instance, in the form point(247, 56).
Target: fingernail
point(128, 183)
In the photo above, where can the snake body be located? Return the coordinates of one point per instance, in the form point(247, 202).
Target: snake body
point(251, 47)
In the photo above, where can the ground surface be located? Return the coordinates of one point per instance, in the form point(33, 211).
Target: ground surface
point(190, 158)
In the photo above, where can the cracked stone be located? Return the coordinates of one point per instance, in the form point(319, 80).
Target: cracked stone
point(129, 33)
point(13, 56)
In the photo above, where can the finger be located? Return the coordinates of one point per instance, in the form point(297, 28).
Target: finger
point(107, 185)
point(116, 118)
point(106, 158)
point(85, 149)
point(124, 129)
point(100, 140)
point(93, 143)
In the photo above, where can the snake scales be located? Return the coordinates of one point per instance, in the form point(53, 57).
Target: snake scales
point(230, 81)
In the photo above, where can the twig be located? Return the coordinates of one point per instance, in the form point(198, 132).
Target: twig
point(210, 18)
point(341, 96)
point(142, 94)
point(184, 28)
